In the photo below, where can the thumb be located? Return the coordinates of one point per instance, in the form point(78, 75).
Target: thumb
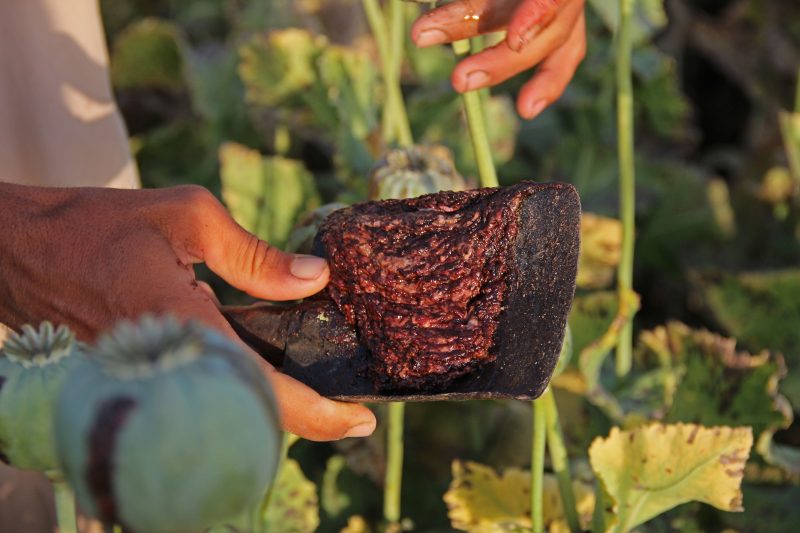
point(252, 265)
point(207, 233)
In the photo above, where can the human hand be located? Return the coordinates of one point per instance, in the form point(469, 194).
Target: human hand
point(550, 33)
point(90, 257)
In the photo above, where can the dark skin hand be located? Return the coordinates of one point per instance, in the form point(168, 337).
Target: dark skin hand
point(89, 257)
point(547, 33)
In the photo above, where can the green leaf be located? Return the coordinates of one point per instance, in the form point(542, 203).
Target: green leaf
point(350, 78)
point(349, 81)
point(654, 468)
point(266, 195)
point(293, 504)
point(590, 317)
point(756, 308)
point(480, 500)
point(334, 89)
point(277, 67)
point(769, 508)
point(658, 94)
point(334, 501)
point(783, 456)
point(218, 96)
point(148, 53)
point(343, 493)
point(712, 383)
point(719, 386)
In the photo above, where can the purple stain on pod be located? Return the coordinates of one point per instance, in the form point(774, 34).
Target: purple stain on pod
point(102, 441)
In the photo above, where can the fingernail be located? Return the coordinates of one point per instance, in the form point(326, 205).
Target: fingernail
point(477, 80)
point(524, 38)
point(431, 37)
point(537, 107)
point(361, 430)
point(307, 267)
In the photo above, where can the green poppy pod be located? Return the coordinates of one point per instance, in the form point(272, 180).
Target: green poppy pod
point(33, 365)
point(167, 427)
point(414, 171)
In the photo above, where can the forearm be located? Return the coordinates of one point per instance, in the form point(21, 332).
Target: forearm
point(59, 124)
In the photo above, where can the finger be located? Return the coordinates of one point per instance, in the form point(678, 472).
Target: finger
point(313, 417)
point(460, 20)
point(498, 63)
point(554, 74)
point(530, 17)
point(303, 411)
point(206, 232)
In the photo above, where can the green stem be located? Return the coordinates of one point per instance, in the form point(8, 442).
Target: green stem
point(477, 128)
point(797, 94)
point(598, 515)
point(537, 466)
point(396, 36)
point(627, 177)
point(560, 460)
point(65, 507)
point(395, 123)
point(394, 464)
point(790, 131)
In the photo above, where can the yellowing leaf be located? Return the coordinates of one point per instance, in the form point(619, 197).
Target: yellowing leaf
point(755, 307)
point(480, 500)
point(651, 469)
point(601, 241)
point(293, 504)
point(356, 524)
point(266, 195)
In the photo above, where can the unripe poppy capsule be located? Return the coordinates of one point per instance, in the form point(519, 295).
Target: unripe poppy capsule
point(167, 427)
point(33, 364)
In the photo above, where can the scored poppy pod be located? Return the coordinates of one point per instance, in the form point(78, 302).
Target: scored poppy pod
point(167, 427)
point(414, 171)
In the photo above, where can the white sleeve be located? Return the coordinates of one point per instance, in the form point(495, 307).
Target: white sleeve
point(59, 123)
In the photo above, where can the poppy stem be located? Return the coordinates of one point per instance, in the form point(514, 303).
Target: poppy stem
point(477, 127)
point(537, 465)
point(560, 460)
point(395, 125)
point(65, 507)
point(394, 464)
point(627, 178)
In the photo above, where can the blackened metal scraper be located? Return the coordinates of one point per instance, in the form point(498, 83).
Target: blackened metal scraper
point(314, 342)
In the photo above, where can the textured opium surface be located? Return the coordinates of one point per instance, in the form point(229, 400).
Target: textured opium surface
point(449, 295)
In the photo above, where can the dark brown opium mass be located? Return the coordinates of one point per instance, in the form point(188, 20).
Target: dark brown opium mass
point(424, 281)
point(314, 343)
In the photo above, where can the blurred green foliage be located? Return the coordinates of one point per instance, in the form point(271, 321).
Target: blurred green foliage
point(295, 85)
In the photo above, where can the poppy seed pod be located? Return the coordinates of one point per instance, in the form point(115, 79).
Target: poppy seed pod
point(33, 365)
point(414, 171)
point(167, 427)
